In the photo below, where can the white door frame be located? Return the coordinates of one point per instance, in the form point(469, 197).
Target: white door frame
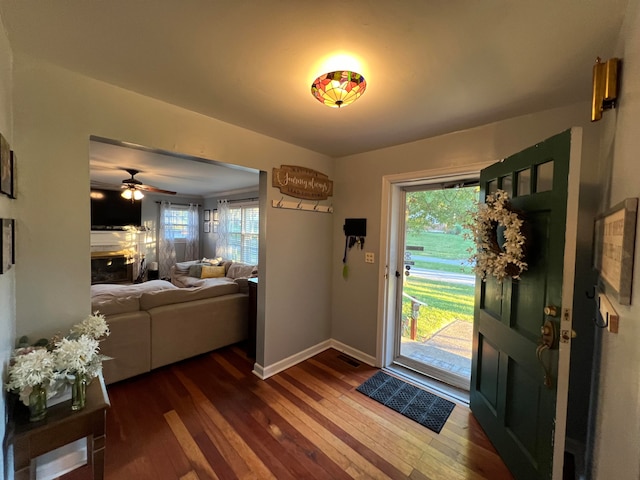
point(389, 249)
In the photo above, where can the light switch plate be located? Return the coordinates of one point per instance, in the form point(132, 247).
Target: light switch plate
point(369, 257)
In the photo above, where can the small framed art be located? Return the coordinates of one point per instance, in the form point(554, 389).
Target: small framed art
point(7, 243)
point(207, 227)
point(6, 168)
point(614, 247)
point(207, 215)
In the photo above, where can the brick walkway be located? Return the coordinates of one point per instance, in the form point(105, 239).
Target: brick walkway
point(449, 349)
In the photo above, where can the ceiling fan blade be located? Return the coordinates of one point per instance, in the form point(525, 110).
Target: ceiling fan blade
point(149, 188)
point(104, 185)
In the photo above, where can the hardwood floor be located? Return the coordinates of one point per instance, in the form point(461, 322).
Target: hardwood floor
point(211, 418)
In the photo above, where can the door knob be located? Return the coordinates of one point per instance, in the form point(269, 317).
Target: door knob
point(551, 311)
point(548, 334)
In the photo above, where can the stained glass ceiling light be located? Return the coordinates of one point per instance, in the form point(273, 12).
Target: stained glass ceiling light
point(337, 89)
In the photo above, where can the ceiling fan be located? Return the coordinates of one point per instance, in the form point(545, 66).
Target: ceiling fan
point(134, 187)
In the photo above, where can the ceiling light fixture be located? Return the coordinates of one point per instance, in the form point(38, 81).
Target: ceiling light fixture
point(132, 194)
point(339, 88)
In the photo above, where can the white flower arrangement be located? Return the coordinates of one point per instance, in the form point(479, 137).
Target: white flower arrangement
point(488, 256)
point(28, 368)
point(94, 326)
point(55, 363)
point(76, 356)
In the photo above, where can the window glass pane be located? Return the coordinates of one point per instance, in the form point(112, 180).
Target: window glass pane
point(244, 226)
point(492, 186)
point(507, 185)
point(235, 220)
point(176, 221)
point(544, 177)
point(524, 182)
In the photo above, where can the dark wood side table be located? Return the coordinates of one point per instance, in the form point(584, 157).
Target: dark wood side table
point(60, 427)
point(253, 317)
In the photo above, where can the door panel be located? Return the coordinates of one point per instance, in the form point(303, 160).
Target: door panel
point(509, 395)
point(523, 410)
point(488, 373)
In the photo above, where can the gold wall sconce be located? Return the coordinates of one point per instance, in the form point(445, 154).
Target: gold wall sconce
point(605, 86)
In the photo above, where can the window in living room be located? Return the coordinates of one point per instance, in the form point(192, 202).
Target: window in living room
point(181, 222)
point(178, 234)
point(243, 232)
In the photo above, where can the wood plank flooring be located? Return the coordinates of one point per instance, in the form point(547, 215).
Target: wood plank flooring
point(211, 418)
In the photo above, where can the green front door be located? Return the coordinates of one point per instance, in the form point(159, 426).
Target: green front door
point(514, 392)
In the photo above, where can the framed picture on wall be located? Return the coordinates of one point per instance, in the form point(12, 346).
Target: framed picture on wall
point(7, 242)
point(207, 227)
point(6, 168)
point(614, 245)
point(207, 215)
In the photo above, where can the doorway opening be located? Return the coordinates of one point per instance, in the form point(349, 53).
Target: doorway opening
point(434, 304)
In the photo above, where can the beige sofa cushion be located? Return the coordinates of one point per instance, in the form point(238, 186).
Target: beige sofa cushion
point(115, 305)
point(167, 297)
point(129, 346)
point(184, 330)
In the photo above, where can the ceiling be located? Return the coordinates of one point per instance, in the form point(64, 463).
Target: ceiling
point(432, 67)
point(186, 176)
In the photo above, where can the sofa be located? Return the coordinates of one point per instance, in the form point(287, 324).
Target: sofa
point(157, 323)
point(211, 271)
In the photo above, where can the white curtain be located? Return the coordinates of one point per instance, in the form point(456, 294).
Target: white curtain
point(192, 248)
point(222, 242)
point(166, 243)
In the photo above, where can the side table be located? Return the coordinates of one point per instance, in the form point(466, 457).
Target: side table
point(60, 427)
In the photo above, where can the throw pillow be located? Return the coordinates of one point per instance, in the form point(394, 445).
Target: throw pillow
point(196, 270)
point(212, 272)
point(241, 270)
point(182, 268)
point(212, 261)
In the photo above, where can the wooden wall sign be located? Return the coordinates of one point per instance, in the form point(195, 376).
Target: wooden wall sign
point(615, 247)
point(301, 182)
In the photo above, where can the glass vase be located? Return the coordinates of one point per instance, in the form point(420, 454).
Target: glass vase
point(37, 403)
point(79, 392)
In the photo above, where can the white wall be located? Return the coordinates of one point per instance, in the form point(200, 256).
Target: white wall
point(618, 425)
point(7, 210)
point(55, 113)
point(358, 185)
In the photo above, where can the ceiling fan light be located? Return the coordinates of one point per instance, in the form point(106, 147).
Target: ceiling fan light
point(127, 194)
point(138, 195)
point(339, 88)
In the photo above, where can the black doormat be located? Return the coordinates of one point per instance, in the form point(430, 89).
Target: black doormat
point(423, 407)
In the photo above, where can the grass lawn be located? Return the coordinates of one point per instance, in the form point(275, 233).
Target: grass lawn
point(440, 245)
point(446, 302)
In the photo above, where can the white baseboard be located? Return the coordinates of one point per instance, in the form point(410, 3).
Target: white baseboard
point(270, 370)
point(352, 352)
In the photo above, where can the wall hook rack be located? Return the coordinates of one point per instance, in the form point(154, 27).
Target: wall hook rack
point(310, 207)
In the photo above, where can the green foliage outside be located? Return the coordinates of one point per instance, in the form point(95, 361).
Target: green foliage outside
point(446, 302)
point(442, 246)
point(444, 211)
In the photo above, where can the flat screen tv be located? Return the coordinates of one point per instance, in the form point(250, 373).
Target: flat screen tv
point(109, 211)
